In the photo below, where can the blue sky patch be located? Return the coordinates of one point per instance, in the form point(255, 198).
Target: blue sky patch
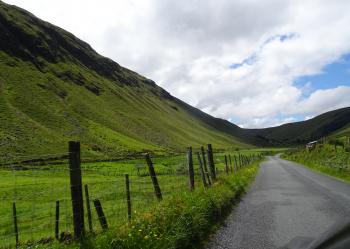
point(332, 75)
point(252, 58)
point(249, 61)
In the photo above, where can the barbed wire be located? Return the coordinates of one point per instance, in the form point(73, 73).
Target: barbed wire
point(32, 186)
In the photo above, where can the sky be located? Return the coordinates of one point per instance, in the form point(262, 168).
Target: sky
point(256, 63)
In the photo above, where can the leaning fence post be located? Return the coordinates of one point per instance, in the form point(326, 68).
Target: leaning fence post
point(88, 207)
point(128, 198)
point(153, 175)
point(236, 165)
point(76, 189)
point(100, 214)
point(14, 215)
point(226, 165)
point(205, 165)
point(57, 221)
point(208, 177)
point(190, 168)
point(240, 161)
point(202, 170)
point(211, 162)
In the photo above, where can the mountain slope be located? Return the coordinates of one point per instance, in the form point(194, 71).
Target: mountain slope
point(302, 132)
point(55, 87)
point(343, 133)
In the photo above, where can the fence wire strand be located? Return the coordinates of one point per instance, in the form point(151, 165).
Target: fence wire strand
point(34, 184)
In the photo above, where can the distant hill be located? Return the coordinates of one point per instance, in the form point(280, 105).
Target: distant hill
point(343, 133)
point(55, 88)
point(302, 132)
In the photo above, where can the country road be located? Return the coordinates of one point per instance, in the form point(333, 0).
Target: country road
point(287, 200)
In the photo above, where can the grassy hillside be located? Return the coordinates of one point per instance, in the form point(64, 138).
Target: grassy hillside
point(54, 88)
point(342, 134)
point(326, 158)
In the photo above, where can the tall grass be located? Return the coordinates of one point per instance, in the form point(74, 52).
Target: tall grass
point(325, 158)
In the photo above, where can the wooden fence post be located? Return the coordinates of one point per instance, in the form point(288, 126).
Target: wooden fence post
point(57, 221)
point(100, 214)
point(236, 164)
point(211, 162)
point(88, 207)
point(202, 170)
point(226, 165)
point(190, 168)
point(128, 198)
point(208, 177)
point(240, 161)
point(14, 215)
point(205, 166)
point(153, 175)
point(231, 167)
point(76, 189)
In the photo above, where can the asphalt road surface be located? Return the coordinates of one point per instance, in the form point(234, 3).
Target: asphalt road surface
point(286, 201)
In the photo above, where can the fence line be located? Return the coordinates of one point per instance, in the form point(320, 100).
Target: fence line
point(58, 198)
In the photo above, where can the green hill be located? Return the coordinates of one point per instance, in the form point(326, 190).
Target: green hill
point(302, 132)
point(342, 134)
point(55, 87)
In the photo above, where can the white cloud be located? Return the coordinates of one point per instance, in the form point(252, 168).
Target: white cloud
point(189, 46)
point(324, 100)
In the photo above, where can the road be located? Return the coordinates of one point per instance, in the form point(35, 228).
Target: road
point(286, 201)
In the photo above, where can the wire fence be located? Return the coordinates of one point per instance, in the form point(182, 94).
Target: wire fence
point(40, 203)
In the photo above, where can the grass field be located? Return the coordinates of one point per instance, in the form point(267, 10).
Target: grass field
point(35, 190)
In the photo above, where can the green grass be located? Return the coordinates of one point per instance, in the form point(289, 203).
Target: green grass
point(182, 220)
point(36, 188)
point(324, 158)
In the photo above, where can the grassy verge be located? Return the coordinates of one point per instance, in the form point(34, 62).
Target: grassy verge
point(325, 159)
point(182, 221)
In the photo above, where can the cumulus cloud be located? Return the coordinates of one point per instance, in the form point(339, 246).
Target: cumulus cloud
point(233, 59)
